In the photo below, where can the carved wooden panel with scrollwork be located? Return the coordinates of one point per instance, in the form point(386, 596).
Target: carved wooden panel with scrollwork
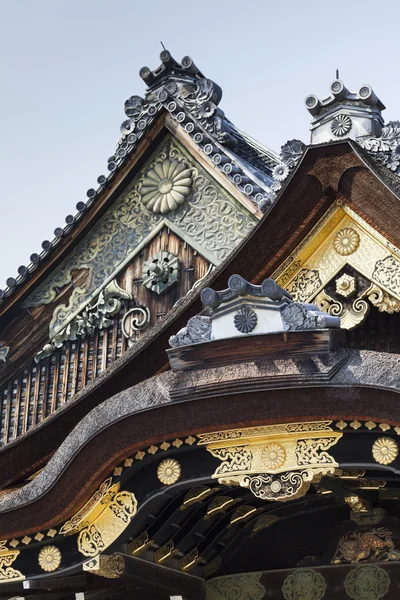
point(345, 267)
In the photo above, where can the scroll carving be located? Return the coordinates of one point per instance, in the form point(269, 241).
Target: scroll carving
point(96, 315)
point(209, 220)
point(274, 463)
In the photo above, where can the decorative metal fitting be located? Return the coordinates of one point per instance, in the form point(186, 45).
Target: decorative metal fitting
point(169, 471)
point(160, 272)
point(346, 285)
point(385, 451)
point(245, 320)
point(341, 125)
point(346, 241)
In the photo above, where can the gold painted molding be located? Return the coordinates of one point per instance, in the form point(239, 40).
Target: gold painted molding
point(109, 566)
point(108, 526)
point(7, 573)
point(342, 238)
point(276, 462)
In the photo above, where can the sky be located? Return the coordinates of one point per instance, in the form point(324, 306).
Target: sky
point(67, 67)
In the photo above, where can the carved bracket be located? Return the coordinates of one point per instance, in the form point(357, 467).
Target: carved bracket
point(351, 311)
point(95, 316)
point(276, 462)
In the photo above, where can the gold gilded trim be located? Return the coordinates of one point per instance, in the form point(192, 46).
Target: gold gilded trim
point(91, 510)
point(7, 572)
point(267, 431)
point(109, 566)
point(342, 238)
point(49, 558)
point(109, 525)
point(139, 544)
point(197, 494)
point(276, 462)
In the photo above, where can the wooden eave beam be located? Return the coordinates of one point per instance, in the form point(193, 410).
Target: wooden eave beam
point(164, 579)
point(65, 584)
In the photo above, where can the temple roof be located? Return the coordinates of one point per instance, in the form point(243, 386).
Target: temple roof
point(192, 101)
point(325, 172)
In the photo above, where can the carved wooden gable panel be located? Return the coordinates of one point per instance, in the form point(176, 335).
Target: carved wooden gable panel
point(171, 190)
point(344, 266)
point(158, 240)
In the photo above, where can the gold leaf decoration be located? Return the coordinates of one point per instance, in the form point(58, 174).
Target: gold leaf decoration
point(370, 425)
point(341, 424)
point(273, 455)
point(385, 451)
point(355, 425)
point(384, 426)
point(169, 471)
point(346, 241)
point(49, 558)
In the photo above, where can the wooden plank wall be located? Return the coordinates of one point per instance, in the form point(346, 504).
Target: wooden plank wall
point(35, 391)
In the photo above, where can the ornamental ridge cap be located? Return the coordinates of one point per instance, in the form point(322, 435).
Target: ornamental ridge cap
point(339, 93)
point(280, 313)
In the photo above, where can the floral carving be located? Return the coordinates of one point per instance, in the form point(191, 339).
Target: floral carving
point(280, 172)
point(386, 148)
point(49, 558)
point(166, 186)
point(197, 330)
point(304, 584)
point(273, 455)
point(341, 125)
point(4, 350)
point(292, 151)
point(95, 316)
point(209, 220)
point(383, 301)
point(160, 272)
point(304, 285)
point(387, 272)
point(367, 582)
point(346, 241)
point(245, 320)
point(169, 471)
point(385, 451)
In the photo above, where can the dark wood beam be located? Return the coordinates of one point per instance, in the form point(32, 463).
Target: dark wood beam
point(160, 578)
point(72, 583)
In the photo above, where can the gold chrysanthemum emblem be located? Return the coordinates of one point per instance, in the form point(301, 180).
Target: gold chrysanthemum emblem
point(273, 455)
point(169, 471)
point(346, 241)
point(49, 558)
point(166, 186)
point(385, 451)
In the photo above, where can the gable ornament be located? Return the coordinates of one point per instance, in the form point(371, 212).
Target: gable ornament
point(166, 186)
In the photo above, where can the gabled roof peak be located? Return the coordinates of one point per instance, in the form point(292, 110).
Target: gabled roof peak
point(345, 114)
point(170, 68)
point(340, 93)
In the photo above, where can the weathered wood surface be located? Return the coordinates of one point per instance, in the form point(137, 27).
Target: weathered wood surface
point(29, 392)
point(253, 347)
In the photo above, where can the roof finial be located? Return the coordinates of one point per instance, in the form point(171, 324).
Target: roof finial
point(164, 48)
point(337, 72)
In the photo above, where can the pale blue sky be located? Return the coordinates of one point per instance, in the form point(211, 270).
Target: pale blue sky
point(67, 66)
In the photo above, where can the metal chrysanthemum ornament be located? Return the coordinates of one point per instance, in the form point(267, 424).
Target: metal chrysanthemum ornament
point(166, 186)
